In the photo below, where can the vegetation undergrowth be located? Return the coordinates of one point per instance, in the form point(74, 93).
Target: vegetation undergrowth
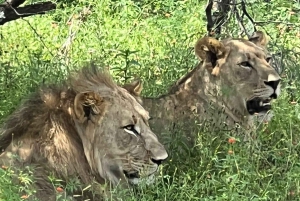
point(154, 40)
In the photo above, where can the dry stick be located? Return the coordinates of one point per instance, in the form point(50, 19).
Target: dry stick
point(65, 48)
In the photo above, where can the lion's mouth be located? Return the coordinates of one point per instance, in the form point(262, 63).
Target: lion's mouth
point(135, 179)
point(131, 175)
point(257, 105)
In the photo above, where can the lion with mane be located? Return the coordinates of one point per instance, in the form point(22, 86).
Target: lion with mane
point(89, 128)
point(232, 87)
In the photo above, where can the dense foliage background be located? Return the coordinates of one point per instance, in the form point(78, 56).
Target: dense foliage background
point(154, 40)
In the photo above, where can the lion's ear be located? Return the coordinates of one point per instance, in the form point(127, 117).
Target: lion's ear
point(89, 106)
point(135, 87)
point(259, 38)
point(210, 50)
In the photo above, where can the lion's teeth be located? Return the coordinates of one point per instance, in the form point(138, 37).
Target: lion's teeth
point(266, 104)
point(261, 103)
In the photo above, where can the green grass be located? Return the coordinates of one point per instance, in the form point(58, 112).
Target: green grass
point(154, 40)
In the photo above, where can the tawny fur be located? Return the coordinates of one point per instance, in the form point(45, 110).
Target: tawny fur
point(76, 130)
point(210, 50)
point(203, 100)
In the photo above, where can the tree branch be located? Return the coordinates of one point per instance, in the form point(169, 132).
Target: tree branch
point(210, 22)
point(15, 3)
point(215, 21)
point(8, 13)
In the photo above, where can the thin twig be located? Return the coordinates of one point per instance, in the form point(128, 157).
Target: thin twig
point(274, 22)
point(241, 24)
point(38, 35)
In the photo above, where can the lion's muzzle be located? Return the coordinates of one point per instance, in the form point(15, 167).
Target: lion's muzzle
point(262, 103)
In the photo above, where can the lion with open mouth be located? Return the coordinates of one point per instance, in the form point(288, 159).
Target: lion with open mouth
point(233, 86)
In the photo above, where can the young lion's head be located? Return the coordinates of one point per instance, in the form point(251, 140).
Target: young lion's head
point(241, 70)
point(117, 140)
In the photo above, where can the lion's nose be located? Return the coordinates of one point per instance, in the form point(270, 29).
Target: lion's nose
point(158, 158)
point(274, 85)
point(158, 162)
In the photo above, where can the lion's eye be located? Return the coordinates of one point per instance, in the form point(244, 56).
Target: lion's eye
point(268, 59)
point(246, 64)
point(129, 127)
point(131, 130)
